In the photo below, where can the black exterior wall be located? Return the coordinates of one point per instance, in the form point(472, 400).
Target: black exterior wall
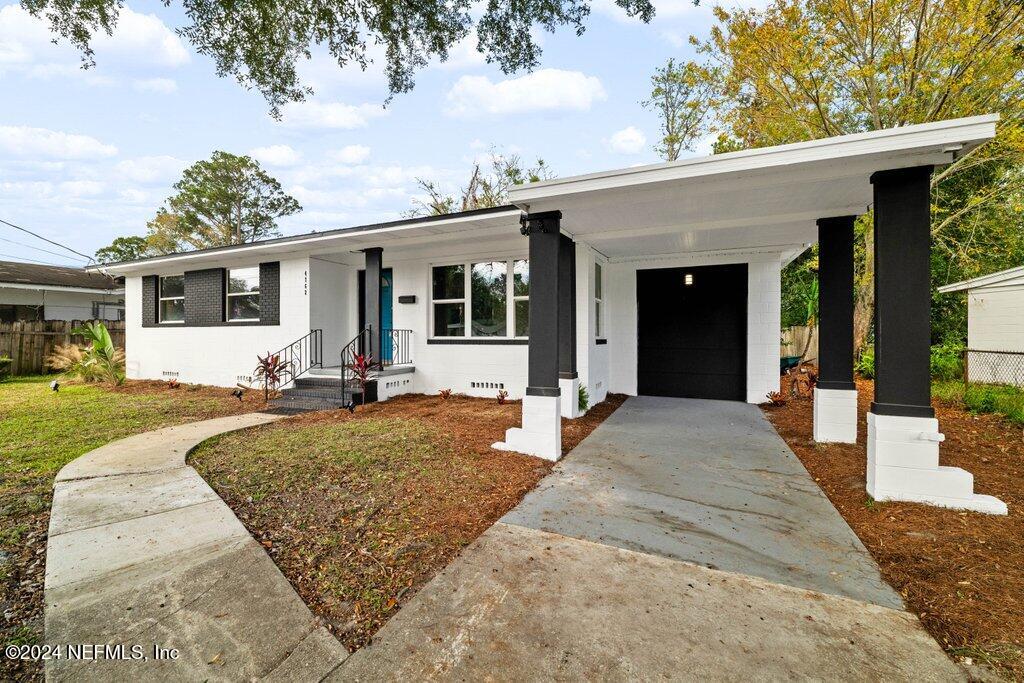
point(545, 258)
point(835, 302)
point(567, 309)
point(149, 302)
point(902, 292)
point(371, 298)
point(205, 298)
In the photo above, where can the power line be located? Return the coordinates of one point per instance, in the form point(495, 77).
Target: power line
point(37, 235)
point(29, 246)
point(42, 263)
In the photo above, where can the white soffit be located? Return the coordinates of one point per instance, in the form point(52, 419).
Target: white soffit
point(787, 187)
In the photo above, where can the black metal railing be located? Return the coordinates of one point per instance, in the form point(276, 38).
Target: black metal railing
point(302, 355)
point(396, 347)
point(994, 367)
point(350, 354)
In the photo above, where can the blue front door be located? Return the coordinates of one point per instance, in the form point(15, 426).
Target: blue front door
point(386, 316)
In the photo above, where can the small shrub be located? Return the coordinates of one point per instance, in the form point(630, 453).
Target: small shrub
point(445, 394)
point(272, 371)
point(947, 361)
point(173, 384)
point(583, 399)
point(865, 365)
point(5, 368)
point(502, 397)
point(776, 398)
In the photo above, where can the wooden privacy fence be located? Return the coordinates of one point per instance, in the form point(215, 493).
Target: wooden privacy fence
point(28, 343)
point(794, 338)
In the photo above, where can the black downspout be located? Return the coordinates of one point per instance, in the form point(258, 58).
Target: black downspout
point(545, 247)
point(902, 292)
point(835, 303)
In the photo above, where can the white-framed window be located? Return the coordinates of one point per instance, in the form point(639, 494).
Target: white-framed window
point(243, 294)
point(521, 297)
point(598, 300)
point(171, 295)
point(478, 299)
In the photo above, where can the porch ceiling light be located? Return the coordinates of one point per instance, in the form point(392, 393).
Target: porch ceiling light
point(688, 279)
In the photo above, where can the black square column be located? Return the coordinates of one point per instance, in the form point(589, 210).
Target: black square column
point(567, 309)
point(835, 302)
point(902, 292)
point(545, 258)
point(371, 301)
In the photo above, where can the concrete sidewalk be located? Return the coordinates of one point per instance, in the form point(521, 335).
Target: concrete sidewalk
point(526, 605)
point(142, 552)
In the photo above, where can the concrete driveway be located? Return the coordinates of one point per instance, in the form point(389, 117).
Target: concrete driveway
point(681, 540)
point(708, 482)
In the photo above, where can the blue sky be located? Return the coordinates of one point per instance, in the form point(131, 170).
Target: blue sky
point(89, 155)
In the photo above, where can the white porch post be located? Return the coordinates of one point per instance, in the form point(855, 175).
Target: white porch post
point(835, 397)
point(541, 433)
point(903, 434)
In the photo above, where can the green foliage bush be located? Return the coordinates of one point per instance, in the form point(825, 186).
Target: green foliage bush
point(984, 398)
point(946, 362)
point(583, 399)
point(5, 367)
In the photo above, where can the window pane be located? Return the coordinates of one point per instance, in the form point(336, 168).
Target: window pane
point(488, 298)
point(522, 313)
point(597, 318)
point(241, 280)
point(450, 282)
point(597, 281)
point(172, 285)
point(244, 307)
point(172, 309)
point(521, 277)
point(450, 320)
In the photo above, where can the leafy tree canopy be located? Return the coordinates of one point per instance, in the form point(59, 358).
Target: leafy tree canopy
point(260, 44)
point(226, 199)
point(123, 249)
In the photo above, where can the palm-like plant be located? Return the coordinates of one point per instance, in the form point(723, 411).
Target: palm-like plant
point(362, 368)
point(99, 361)
point(272, 371)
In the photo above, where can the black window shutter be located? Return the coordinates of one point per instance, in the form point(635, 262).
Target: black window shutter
point(204, 297)
point(270, 293)
point(149, 300)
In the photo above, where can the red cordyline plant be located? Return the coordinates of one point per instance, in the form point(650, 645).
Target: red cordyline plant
point(272, 371)
point(362, 368)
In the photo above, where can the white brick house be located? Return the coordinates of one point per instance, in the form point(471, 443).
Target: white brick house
point(660, 279)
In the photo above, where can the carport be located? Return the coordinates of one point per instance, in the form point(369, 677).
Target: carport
point(758, 208)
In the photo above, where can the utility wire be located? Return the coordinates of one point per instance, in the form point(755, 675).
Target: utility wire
point(29, 246)
point(37, 235)
point(42, 263)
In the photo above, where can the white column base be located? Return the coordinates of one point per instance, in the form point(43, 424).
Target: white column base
point(835, 415)
point(903, 464)
point(570, 389)
point(541, 433)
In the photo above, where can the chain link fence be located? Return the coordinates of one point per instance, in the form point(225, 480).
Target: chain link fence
point(994, 367)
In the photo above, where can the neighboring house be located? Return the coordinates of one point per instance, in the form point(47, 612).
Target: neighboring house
point(995, 326)
point(30, 291)
point(660, 280)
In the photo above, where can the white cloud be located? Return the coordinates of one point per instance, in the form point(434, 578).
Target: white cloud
point(546, 89)
point(313, 114)
point(152, 169)
point(42, 142)
point(82, 188)
point(629, 140)
point(139, 40)
point(163, 86)
point(276, 155)
point(351, 154)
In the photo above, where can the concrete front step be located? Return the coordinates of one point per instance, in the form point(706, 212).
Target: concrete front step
point(317, 392)
point(297, 404)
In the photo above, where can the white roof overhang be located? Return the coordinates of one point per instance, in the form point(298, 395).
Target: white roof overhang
point(1011, 276)
point(761, 199)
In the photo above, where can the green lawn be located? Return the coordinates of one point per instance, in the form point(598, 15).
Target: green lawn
point(983, 398)
point(41, 431)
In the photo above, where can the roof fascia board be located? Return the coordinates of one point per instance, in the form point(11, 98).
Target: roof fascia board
point(891, 140)
point(58, 288)
point(983, 280)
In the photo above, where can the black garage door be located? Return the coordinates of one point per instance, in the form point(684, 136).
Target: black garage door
point(692, 332)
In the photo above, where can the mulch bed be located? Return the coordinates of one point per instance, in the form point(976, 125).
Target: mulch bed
point(962, 573)
point(377, 522)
